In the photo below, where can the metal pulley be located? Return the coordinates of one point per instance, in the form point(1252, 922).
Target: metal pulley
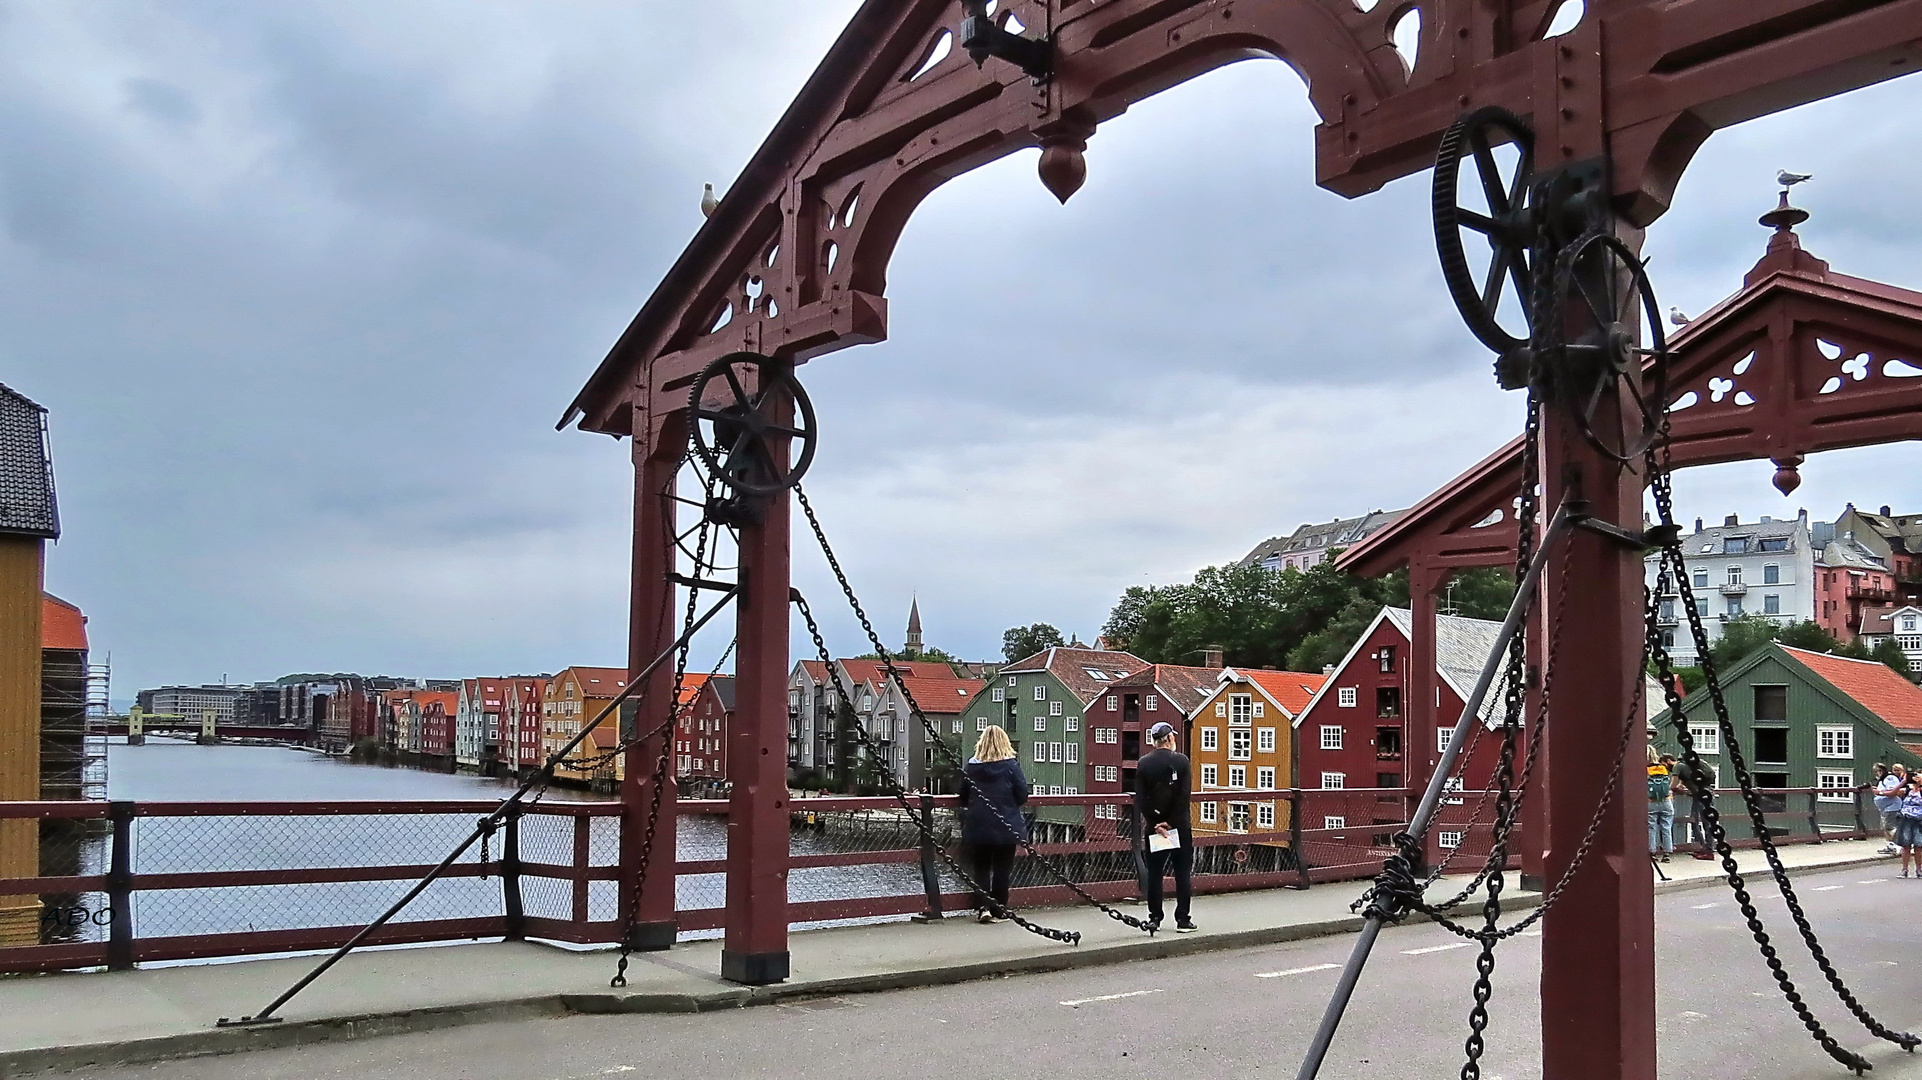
point(738, 405)
point(1565, 305)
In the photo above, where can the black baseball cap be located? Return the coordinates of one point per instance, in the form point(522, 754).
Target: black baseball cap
point(1161, 731)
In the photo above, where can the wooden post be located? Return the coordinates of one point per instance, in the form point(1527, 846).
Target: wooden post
point(511, 905)
point(652, 627)
point(20, 606)
point(930, 870)
point(1294, 837)
point(754, 948)
point(120, 887)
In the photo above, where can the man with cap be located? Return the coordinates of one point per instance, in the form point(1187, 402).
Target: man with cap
point(1161, 797)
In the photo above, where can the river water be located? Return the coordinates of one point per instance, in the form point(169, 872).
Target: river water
point(164, 770)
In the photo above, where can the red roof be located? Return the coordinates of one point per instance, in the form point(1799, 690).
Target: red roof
point(1290, 689)
point(873, 671)
point(598, 682)
point(62, 626)
point(946, 696)
point(691, 684)
point(1873, 684)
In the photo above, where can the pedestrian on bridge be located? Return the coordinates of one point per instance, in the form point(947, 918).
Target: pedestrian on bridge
point(1888, 799)
point(1161, 797)
point(1661, 807)
point(992, 794)
point(1908, 827)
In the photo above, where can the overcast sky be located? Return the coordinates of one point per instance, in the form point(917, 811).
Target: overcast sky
point(306, 286)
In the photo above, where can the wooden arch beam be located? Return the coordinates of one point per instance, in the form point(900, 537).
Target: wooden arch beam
point(794, 261)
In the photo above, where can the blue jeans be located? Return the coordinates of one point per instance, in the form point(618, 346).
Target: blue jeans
point(1661, 826)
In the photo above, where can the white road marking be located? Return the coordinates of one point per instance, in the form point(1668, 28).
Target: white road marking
point(1435, 948)
point(1696, 1015)
point(1295, 971)
point(1703, 907)
point(1829, 888)
point(1531, 933)
point(1868, 883)
point(1110, 997)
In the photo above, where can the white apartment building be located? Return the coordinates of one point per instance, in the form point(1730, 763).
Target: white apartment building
point(191, 701)
point(1764, 568)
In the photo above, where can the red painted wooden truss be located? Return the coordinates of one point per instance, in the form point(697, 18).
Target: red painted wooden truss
point(793, 263)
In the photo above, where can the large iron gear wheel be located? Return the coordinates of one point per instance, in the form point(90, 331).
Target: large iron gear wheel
point(1600, 281)
point(1508, 226)
point(732, 437)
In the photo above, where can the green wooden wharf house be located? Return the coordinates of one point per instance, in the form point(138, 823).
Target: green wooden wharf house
point(1804, 720)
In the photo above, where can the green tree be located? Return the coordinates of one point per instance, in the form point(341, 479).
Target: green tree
point(1854, 650)
point(928, 652)
point(1891, 654)
point(1692, 679)
point(1482, 593)
point(1740, 637)
point(1023, 641)
point(1807, 634)
point(1256, 616)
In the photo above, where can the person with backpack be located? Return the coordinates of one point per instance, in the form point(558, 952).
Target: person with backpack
point(1908, 827)
point(1661, 808)
point(1161, 799)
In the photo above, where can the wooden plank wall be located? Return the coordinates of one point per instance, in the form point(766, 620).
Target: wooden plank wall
point(21, 562)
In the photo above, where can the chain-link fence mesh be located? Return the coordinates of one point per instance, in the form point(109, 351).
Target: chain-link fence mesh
point(222, 843)
point(73, 847)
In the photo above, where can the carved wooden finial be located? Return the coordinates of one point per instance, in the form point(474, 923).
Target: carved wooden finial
point(1788, 475)
point(1064, 165)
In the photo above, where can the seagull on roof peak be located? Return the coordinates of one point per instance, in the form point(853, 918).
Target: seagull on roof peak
point(708, 201)
point(1789, 179)
point(1675, 316)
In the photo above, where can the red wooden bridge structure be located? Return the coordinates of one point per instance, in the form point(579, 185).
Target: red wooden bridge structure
point(793, 265)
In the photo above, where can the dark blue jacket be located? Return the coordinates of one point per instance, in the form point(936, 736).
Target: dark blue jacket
point(991, 802)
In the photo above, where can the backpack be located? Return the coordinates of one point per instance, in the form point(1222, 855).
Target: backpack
point(1658, 785)
point(1912, 808)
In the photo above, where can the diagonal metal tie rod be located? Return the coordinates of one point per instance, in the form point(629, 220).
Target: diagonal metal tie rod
point(486, 824)
point(1431, 799)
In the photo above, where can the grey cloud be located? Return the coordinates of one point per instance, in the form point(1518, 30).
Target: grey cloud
point(306, 305)
point(162, 101)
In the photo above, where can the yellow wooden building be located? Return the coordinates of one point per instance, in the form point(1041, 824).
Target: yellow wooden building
point(28, 519)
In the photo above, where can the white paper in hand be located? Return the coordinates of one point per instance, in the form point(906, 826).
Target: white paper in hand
point(1159, 842)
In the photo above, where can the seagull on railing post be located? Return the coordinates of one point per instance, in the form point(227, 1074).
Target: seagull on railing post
point(1789, 179)
point(708, 201)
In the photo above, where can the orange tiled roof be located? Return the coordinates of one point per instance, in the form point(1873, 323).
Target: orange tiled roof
point(945, 696)
point(62, 626)
point(691, 685)
point(1290, 689)
point(1873, 684)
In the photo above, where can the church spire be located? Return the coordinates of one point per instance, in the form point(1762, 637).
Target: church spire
point(913, 647)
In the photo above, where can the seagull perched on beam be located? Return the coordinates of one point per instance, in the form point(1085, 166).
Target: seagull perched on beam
point(1675, 316)
point(1789, 179)
point(709, 202)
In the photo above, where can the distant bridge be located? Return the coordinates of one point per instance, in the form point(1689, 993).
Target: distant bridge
point(182, 725)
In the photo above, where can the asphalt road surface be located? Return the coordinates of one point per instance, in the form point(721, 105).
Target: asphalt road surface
point(1242, 1013)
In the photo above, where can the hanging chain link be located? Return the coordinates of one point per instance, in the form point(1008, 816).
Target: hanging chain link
point(700, 566)
point(899, 793)
point(947, 753)
point(1674, 563)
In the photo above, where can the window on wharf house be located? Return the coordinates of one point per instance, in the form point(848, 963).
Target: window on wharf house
point(1772, 706)
point(1331, 736)
point(1387, 701)
point(1772, 745)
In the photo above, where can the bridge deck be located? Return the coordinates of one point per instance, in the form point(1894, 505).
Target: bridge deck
point(164, 1012)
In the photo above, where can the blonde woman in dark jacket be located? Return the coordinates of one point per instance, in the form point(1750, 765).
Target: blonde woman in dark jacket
point(991, 819)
